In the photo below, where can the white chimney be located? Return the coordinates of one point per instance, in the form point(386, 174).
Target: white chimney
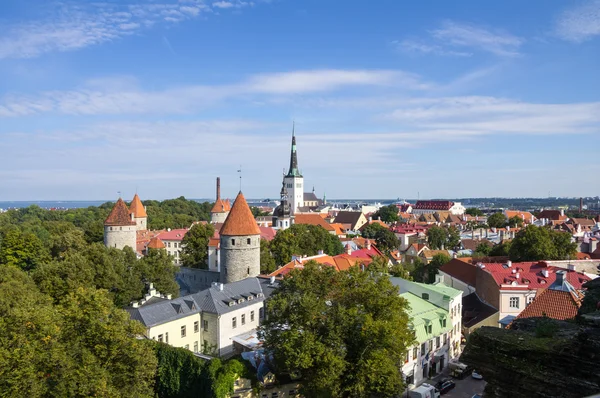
point(220, 287)
point(509, 263)
point(545, 273)
point(320, 252)
point(571, 267)
point(169, 296)
point(517, 275)
point(348, 248)
point(514, 271)
point(368, 244)
point(272, 280)
point(135, 304)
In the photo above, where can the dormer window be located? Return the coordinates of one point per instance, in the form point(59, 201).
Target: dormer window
point(425, 296)
point(250, 298)
point(241, 301)
point(231, 303)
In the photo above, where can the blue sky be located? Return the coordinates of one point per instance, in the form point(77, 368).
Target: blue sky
point(390, 98)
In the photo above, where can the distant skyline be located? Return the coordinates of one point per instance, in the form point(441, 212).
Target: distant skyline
point(390, 99)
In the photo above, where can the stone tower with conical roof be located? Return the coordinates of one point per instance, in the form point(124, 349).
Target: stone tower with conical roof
point(221, 208)
point(139, 213)
point(293, 180)
point(240, 243)
point(120, 227)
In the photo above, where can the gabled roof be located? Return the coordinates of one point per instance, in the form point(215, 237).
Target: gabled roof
point(310, 196)
point(531, 275)
point(433, 205)
point(174, 234)
point(313, 219)
point(422, 314)
point(552, 215)
point(523, 215)
point(348, 217)
point(555, 304)
point(240, 220)
point(119, 215)
point(583, 222)
point(137, 208)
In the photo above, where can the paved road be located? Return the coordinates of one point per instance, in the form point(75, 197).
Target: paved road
point(465, 388)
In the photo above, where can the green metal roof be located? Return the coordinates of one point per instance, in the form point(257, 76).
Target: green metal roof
point(422, 314)
point(442, 289)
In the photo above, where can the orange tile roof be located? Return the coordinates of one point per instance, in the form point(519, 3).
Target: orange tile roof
point(555, 304)
point(155, 243)
point(240, 220)
point(119, 215)
point(137, 208)
point(339, 228)
point(313, 219)
point(524, 215)
point(221, 206)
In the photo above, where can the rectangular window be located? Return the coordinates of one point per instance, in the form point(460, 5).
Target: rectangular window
point(205, 325)
point(260, 313)
point(513, 302)
point(248, 241)
point(243, 319)
point(251, 316)
point(160, 338)
point(445, 338)
point(167, 337)
point(187, 346)
point(232, 242)
point(437, 342)
point(423, 349)
point(168, 244)
point(429, 329)
point(444, 323)
point(530, 299)
point(196, 327)
point(234, 322)
point(415, 352)
point(205, 345)
point(195, 346)
point(183, 331)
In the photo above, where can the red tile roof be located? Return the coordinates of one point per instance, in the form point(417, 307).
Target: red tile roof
point(267, 233)
point(137, 208)
point(552, 215)
point(433, 205)
point(523, 215)
point(313, 219)
point(555, 304)
point(240, 220)
point(119, 215)
point(221, 206)
point(531, 274)
point(174, 234)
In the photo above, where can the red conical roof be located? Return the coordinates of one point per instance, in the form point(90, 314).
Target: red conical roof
point(119, 215)
point(221, 206)
point(137, 208)
point(240, 220)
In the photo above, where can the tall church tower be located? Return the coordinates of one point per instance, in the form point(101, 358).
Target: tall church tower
point(240, 243)
point(293, 180)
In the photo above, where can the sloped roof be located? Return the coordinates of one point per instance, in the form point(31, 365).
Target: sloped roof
point(348, 217)
point(433, 205)
point(530, 274)
point(156, 243)
point(313, 219)
point(555, 304)
point(174, 234)
point(310, 196)
point(552, 215)
point(221, 206)
point(474, 310)
point(461, 270)
point(524, 215)
point(119, 215)
point(240, 220)
point(137, 208)
point(422, 313)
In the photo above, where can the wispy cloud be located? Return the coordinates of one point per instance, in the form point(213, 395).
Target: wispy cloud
point(72, 27)
point(460, 39)
point(580, 23)
point(232, 4)
point(124, 97)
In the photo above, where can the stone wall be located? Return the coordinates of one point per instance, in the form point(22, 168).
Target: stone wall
point(239, 259)
point(218, 217)
point(119, 237)
point(141, 223)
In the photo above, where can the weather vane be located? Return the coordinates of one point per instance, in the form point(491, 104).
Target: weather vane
point(240, 171)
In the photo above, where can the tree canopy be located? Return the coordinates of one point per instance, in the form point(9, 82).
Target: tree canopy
point(303, 239)
point(386, 240)
point(267, 262)
point(535, 243)
point(346, 333)
point(436, 237)
point(387, 214)
point(194, 252)
point(497, 220)
point(473, 211)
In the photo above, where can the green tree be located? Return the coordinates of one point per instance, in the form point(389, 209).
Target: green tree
point(157, 268)
point(497, 220)
point(387, 214)
point(436, 237)
point(420, 272)
point(194, 245)
point(25, 251)
point(452, 238)
point(257, 212)
point(267, 262)
point(402, 270)
point(535, 243)
point(303, 239)
point(379, 264)
point(386, 240)
point(482, 250)
point(500, 250)
point(473, 211)
point(434, 265)
point(345, 332)
point(515, 221)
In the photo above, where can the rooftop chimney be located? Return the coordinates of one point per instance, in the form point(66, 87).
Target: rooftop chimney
point(348, 248)
point(368, 244)
point(517, 275)
point(545, 273)
point(220, 287)
point(218, 188)
point(271, 280)
point(135, 304)
point(560, 278)
point(509, 263)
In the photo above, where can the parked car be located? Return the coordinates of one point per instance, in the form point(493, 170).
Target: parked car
point(445, 385)
point(476, 375)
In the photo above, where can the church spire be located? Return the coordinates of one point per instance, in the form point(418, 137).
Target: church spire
point(293, 171)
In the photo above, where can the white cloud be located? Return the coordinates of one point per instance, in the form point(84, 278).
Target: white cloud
point(122, 96)
point(580, 23)
point(223, 4)
point(453, 39)
point(72, 27)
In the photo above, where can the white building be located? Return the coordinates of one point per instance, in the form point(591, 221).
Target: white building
point(435, 312)
point(294, 182)
point(433, 206)
point(172, 239)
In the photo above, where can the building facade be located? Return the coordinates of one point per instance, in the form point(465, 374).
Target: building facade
point(294, 182)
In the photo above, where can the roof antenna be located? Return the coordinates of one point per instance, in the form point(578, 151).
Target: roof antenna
point(240, 171)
